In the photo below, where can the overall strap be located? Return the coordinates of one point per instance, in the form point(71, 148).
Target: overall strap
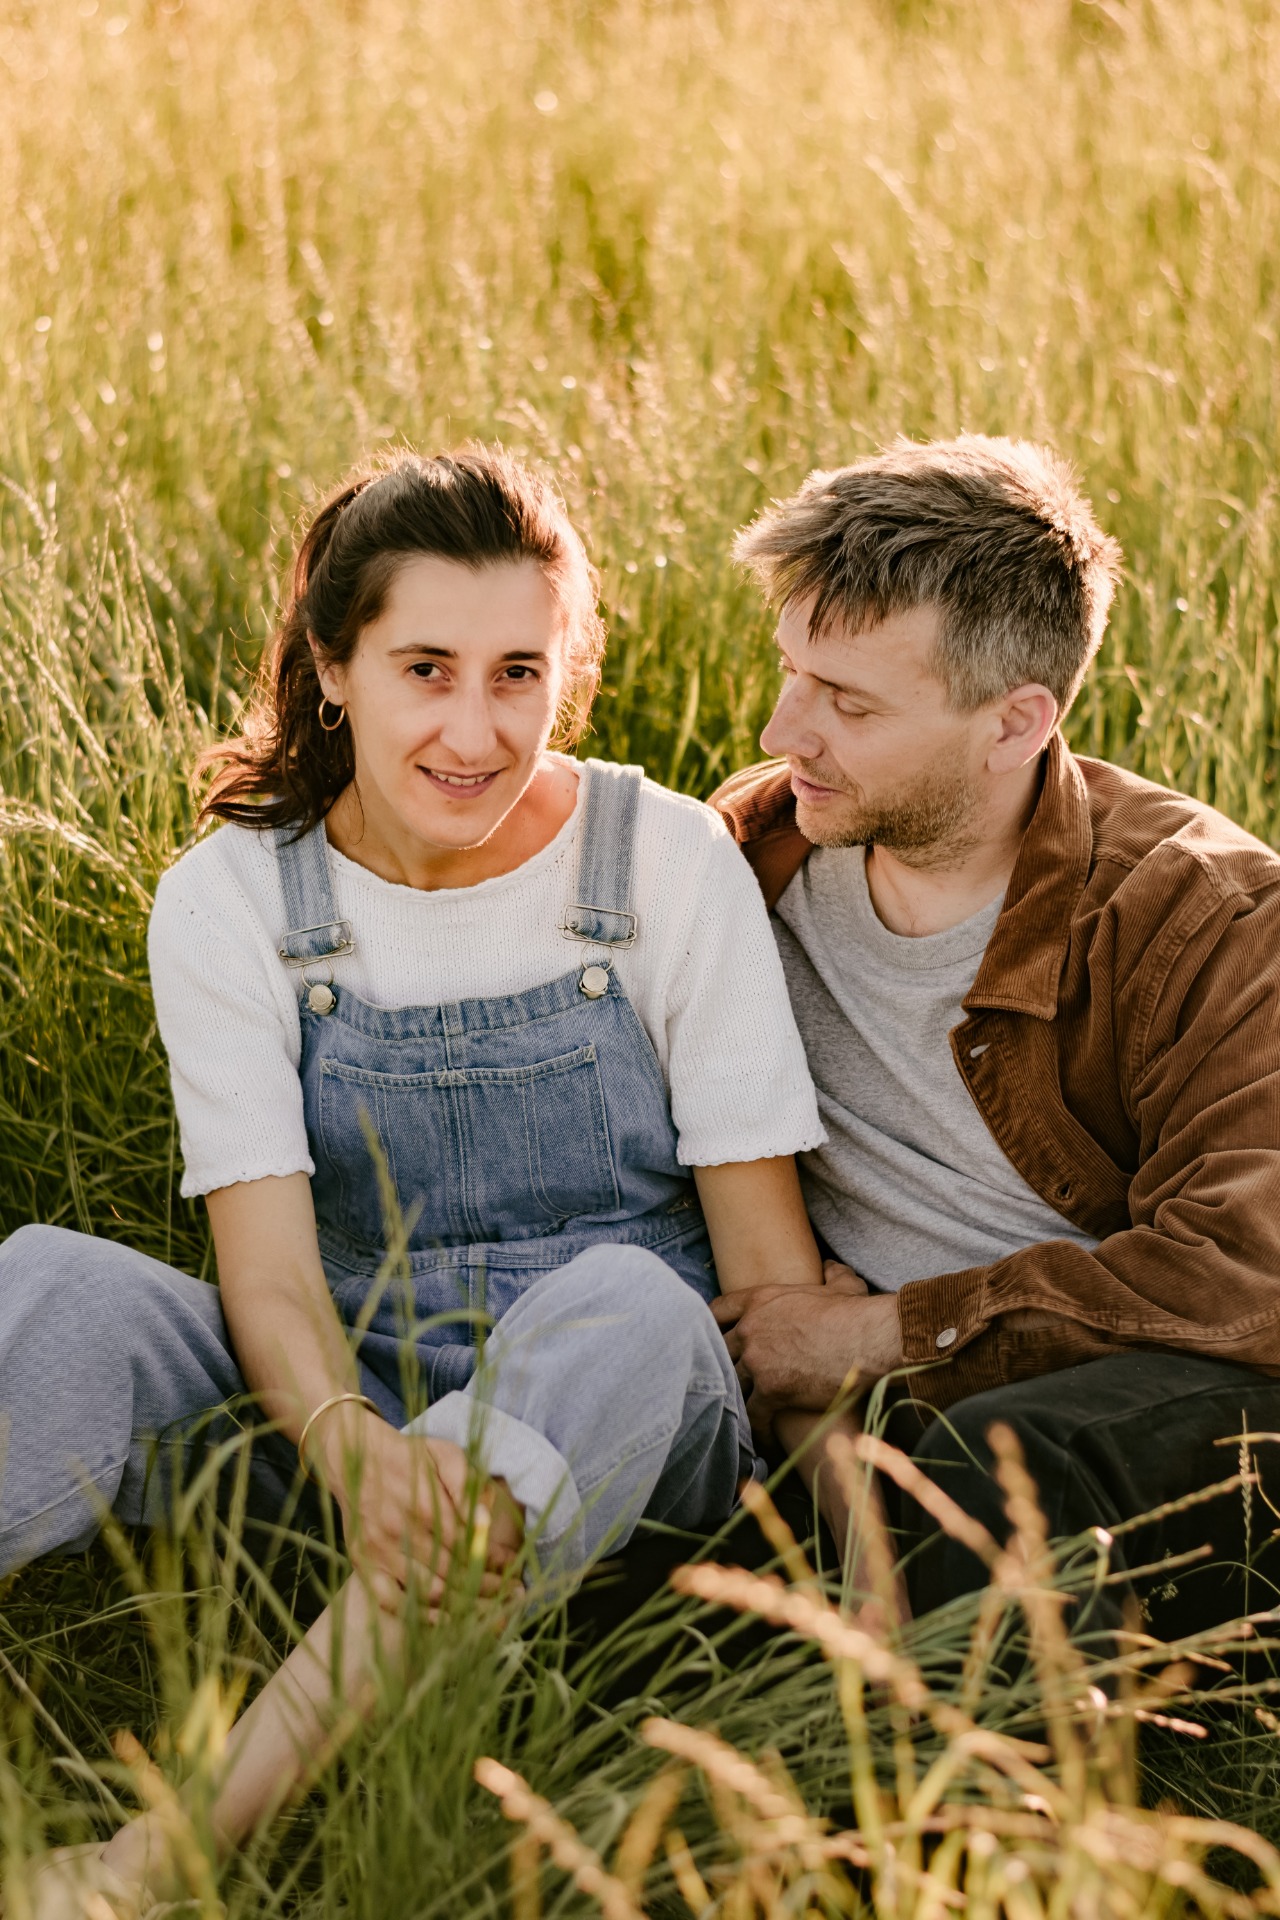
point(601, 913)
point(314, 931)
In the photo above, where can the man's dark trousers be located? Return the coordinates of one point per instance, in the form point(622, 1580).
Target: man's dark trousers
point(1106, 1442)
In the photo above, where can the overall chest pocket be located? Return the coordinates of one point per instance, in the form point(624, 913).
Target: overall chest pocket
point(473, 1153)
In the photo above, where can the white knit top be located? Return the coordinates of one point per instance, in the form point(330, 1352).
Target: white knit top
point(703, 976)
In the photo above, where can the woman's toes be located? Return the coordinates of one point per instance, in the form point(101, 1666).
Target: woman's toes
point(75, 1883)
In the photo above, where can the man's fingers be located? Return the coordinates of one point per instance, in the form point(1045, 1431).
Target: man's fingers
point(760, 1412)
point(728, 1308)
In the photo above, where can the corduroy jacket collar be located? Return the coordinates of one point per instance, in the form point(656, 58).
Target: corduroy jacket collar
point(1023, 962)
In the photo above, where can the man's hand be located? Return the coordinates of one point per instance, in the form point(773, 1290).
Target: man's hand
point(800, 1346)
point(404, 1501)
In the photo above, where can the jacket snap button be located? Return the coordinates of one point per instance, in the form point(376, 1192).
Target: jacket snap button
point(594, 982)
point(321, 999)
point(946, 1338)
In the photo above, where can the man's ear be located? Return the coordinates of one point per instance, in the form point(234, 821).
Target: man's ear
point(1027, 716)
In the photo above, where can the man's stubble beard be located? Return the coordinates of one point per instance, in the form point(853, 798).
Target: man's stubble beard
point(928, 824)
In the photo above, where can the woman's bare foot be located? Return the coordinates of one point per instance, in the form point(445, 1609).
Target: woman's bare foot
point(141, 1857)
point(73, 1882)
point(297, 1720)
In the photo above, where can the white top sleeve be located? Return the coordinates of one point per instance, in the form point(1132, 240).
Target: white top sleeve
point(740, 1087)
point(233, 1037)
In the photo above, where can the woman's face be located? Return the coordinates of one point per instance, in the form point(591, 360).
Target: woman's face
point(451, 696)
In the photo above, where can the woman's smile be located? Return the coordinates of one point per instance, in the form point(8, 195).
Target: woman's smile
point(461, 786)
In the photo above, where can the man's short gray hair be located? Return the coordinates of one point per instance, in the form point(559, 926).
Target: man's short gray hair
point(995, 533)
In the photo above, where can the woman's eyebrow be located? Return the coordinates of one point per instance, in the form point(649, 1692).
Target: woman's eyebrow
point(424, 647)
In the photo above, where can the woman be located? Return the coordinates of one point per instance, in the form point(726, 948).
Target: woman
point(440, 988)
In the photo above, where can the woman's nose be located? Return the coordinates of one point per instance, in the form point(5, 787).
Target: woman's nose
point(468, 728)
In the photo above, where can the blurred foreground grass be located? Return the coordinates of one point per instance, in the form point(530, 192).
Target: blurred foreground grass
point(682, 250)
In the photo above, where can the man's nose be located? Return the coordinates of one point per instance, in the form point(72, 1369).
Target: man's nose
point(789, 728)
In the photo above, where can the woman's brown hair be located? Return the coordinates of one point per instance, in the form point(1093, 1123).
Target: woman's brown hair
point(479, 507)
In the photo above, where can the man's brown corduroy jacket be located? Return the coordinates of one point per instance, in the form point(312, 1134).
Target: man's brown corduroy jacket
point(1122, 1042)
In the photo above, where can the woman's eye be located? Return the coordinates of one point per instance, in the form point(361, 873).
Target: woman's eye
point(519, 673)
point(424, 670)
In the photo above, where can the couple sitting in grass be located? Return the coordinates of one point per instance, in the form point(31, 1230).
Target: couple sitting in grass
point(526, 1018)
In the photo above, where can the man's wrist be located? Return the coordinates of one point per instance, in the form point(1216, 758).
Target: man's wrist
point(876, 1343)
point(892, 1356)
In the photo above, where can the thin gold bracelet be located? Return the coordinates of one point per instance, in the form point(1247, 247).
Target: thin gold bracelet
point(334, 1400)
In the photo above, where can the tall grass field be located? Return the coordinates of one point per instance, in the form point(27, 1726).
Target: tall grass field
point(680, 251)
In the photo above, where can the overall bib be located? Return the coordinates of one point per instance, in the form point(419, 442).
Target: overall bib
point(511, 1133)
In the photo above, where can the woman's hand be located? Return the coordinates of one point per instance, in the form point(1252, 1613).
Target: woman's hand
point(404, 1499)
point(406, 1504)
point(842, 1279)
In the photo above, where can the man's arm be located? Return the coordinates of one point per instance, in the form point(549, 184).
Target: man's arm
point(800, 1349)
point(1198, 1268)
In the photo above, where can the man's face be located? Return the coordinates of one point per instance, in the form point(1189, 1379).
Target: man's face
point(876, 751)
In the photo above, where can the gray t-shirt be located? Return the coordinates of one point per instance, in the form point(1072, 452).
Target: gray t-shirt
point(911, 1182)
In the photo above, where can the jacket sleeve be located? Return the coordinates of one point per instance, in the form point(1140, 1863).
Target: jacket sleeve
point(1198, 1267)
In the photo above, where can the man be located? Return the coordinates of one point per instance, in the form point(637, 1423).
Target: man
point(1039, 997)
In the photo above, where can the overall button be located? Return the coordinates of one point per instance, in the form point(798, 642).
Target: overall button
point(594, 982)
point(947, 1337)
point(321, 999)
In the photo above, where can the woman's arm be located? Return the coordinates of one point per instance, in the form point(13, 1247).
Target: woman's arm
point(760, 1232)
point(761, 1236)
point(290, 1343)
point(399, 1496)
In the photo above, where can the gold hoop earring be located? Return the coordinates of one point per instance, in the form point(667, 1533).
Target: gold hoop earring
point(329, 726)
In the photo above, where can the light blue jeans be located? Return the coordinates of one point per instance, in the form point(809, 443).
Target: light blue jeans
point(606, 1394)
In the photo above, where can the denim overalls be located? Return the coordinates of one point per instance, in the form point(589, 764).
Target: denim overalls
point(515, 1132)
